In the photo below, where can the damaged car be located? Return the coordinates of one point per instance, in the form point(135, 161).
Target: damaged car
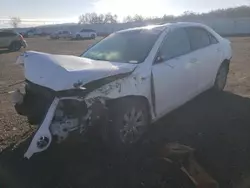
point(121, 84)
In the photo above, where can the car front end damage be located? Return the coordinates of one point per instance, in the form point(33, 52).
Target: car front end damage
point(57, 113)
point(78, 107)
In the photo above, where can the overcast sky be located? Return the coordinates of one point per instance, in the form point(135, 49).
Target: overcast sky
point(69, 10)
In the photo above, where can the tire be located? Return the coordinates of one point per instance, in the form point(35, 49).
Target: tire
point(221, 77)
point(78, 37)
point(15, 46)
point(92, 36)
point(129, 120)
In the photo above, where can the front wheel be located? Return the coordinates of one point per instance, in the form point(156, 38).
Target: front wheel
point(92, 36)
point(221, 77)
point(15, 46)
point(129, 120)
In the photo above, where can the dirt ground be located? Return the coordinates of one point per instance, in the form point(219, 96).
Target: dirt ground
point(217, 126)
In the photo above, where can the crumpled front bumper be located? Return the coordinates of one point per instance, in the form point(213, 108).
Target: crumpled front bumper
point(32, 101)
point(42, 139)
point(94, 110)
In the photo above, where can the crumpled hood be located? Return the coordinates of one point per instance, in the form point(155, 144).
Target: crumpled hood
point(61, 72)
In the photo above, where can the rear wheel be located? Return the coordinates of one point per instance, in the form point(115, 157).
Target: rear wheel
point(15, 46)
point(129, 120)
point(221, 77)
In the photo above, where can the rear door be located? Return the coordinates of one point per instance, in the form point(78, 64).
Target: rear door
point(206, 56)
point(84, 33)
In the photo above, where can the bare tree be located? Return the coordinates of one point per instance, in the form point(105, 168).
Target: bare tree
point(128, 19)
point(109, 18)
point(237, 12)
point(93, 18)
point(138, 18)
point(15, 21)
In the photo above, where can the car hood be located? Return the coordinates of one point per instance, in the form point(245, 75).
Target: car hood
point(62, 72)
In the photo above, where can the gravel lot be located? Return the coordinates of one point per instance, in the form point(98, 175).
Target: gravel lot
point(217, 126)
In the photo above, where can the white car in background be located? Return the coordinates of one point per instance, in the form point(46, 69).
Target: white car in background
point(121, 84)
point(85, 34)
point(61, 34)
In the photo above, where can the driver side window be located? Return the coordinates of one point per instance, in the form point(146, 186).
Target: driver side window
point(175, 44)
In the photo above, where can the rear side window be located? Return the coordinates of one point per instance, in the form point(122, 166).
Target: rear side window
point(175, 44)
point(199, 37)
point(87, 30)
point(7, 34)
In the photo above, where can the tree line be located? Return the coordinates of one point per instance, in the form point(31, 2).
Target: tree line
point(94, 18)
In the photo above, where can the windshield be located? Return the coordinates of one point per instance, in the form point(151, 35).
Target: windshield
point(127, 47)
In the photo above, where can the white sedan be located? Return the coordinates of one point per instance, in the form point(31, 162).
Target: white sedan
point(121, 84)
point(85, 34)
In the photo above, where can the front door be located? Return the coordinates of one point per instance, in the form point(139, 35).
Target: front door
point(174, 72)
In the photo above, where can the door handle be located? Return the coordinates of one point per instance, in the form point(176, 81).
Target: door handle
point(145, 77)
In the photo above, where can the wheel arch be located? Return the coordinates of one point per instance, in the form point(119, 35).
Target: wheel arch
point(14, 41)
point(130, 86)
point(226, 62)
point(142, 99)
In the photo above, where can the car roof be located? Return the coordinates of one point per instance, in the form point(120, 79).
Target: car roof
point(162, 27)
point(88, 29)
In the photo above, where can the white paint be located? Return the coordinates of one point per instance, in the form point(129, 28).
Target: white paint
point(57, 128)
point(61, 72)
point(85, 34)
point(180, 79)
point(176, 81)
point(43, 131)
